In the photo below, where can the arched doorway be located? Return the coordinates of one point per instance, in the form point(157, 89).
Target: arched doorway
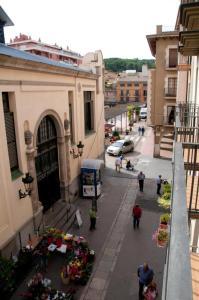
point(46, 163)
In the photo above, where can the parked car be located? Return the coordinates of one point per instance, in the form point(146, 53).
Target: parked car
point(120, 146)
point(143, 113)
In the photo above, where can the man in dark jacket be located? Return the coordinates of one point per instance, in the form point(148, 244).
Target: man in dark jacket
point(145, 275)
point(136, 213)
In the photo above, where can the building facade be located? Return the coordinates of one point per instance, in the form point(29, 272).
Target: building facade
point(162, 83)
point(46, 109)
point(26, 43)
point(132, 86)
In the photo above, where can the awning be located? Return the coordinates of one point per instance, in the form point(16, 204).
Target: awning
point(95, 164)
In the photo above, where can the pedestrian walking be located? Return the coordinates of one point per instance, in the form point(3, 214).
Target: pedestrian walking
point(136, 213)
point(93, 216)
point(141, 178)
point(118, 164)
point(142, 130)
point(145, 275)
point(159, 183)
point(139, 130)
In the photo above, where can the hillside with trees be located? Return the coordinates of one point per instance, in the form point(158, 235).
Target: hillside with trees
point(123, 64)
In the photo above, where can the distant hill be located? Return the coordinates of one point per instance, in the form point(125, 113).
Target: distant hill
point(123, 64)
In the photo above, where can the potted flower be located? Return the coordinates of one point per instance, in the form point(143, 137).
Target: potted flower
point(164, 219)
point(162, 237)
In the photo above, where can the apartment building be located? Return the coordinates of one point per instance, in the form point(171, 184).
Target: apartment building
point(131, 86)
point(162, 83)
point(26, 43)
point(51, 117)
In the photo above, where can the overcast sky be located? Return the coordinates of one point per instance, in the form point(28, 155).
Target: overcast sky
point(118, 28)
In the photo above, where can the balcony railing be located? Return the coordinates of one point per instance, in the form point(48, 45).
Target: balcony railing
point(187, 116)
point(176, 285)
point(170, 92)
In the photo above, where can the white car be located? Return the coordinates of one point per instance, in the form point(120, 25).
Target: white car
point(120, 146)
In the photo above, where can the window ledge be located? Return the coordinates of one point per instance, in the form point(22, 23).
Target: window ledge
point(88, 134)
point(16, 174)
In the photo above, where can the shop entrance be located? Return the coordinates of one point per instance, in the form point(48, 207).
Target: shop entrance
point(46, 162)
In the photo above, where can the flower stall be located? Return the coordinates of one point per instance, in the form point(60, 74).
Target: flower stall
point(78, 257)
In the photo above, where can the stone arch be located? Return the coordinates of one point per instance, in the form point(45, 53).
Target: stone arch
point(60, 147)
point(57, 120)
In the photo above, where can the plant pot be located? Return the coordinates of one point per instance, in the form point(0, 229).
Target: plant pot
point(163, 226)
point(161, 244)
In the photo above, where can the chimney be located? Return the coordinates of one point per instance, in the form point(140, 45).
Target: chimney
point(4, 21)
point(159, 29)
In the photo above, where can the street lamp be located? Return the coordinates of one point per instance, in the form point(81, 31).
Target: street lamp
point(27, 181)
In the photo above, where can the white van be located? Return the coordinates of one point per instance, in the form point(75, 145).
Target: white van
point(143, 113)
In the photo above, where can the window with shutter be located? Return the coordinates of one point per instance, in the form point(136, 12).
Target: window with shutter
point(173, 58)
point(88, 111)
point(10, 133)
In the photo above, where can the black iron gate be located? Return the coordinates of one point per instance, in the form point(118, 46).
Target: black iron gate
point(47, 167)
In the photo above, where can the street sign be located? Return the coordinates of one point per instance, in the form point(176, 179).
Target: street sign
point(78, 218)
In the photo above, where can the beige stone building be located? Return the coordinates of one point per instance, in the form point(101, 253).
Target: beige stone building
point(131, 86)
point(162, 83)
point(46, 108)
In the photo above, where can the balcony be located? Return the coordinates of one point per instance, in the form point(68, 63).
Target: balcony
point(189, 42)
point(189, 37)
point(170, 92)
point(189, 15)
point(183, 258)
point(178, 255)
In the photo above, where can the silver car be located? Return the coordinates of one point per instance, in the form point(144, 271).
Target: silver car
point(120, 146)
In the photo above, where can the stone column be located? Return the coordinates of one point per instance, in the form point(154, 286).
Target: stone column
point(67, 155)
point(62, 167)
point(30, 153)
point(157, 136)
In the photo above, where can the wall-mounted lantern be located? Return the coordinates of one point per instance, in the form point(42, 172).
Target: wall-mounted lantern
point(27, 181)
point(79, 153)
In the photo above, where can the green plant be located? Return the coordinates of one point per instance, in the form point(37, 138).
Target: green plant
point(7, 277)
point(167, 188)
point(116, 133)
point(164, 203)
point(166, 196)
point(163, 235)
point(130, 112)
point(137, 110)
point(164, 218)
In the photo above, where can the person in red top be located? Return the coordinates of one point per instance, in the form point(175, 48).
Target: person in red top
point(136, 213)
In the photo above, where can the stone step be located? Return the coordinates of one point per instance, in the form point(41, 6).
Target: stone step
point(164, 154)
point(59, 215)
point(166, 141)
point(168, 136)
point(166, 147)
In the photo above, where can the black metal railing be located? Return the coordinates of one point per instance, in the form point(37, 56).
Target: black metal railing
point(170, 92)
point(187, 115)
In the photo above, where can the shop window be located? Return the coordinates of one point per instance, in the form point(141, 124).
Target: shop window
point(10, 133)
point(88, 111)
